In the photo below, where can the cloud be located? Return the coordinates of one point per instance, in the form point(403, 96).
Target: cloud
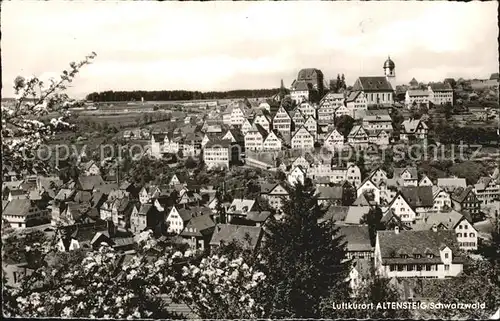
point(229, 45)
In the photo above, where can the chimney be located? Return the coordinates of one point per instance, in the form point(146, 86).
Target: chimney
point(396, 229)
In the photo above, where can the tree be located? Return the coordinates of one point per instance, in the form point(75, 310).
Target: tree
point(23, 120)
point(348, 194)
point(103, 285)
point(378, 290)
point(338, 83)
point(219, 207)
point(344, 124)
point(344, 85)
point(302, 259)
point(478, 283)
point(373, 219)
point(16, 247)
point(190, 163)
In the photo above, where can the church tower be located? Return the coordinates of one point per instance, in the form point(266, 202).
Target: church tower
point(390, 72)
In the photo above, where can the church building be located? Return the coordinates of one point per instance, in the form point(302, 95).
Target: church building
point(379, 90)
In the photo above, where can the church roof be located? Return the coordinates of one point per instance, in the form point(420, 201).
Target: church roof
point(372, 84)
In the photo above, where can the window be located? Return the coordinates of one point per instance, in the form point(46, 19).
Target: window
point(460, 227)
point(446, 255)
point(459, 234)
point(446, 267)
point(466, 226)
point(471, 235)
point(392, 267)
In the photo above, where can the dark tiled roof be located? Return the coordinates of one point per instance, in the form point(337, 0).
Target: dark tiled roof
point(459, 194)
point(228, 232)
point(330, 192)
point(17, 207)
point(218, 143)
point(199, 224)
point(256, 216)
point(336, 213)
point(409, 243)
point(301, 85)
point(418, 196)
point(357, 237)
point(90, 182)
point(372, 84)
point(440, 87)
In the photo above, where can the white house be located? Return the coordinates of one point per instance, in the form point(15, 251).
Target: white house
point(417, 97)
point(417, 254)
point(217, 154)
point(413, 128)
point(440, 94)
point(246, 126)
point(263, 118)
point(297, 174)
point(358, 137)
point(356, 103)
point(441, 198)
point(402, 209)
point(175, 221)
point(307, 109)
point(273, 142)
point(300, 91)
point(378, 137)
point(302, 139)
point(408, 176)
point(326, 112)
point(254, 138)
point(298, 118)
point(377, 122)
point(452, 220)
point(20, 213)
point(334, 140)
point(487, 190)
point(274, 194)
point(367, 186)
point(343, 110)
point(238, 114)
point(425, 181)
point(378, 175)
point(312, 126)
point(282, 122)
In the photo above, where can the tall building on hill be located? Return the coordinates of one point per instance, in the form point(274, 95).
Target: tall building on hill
point(379, 90)
point(309, 85)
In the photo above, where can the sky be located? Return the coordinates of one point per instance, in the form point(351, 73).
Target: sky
point(244, 45)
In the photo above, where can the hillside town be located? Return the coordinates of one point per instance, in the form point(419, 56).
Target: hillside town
point(224, 177)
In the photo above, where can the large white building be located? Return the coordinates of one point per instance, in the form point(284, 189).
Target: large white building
point(217, 154)
point(302, 139)
point(440, 94)
point(416, 96)
point(379, 90)
point(417, 254)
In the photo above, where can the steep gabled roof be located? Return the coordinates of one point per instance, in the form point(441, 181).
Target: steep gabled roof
point(357, 237)
point(418, 196)
point(372, 84)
